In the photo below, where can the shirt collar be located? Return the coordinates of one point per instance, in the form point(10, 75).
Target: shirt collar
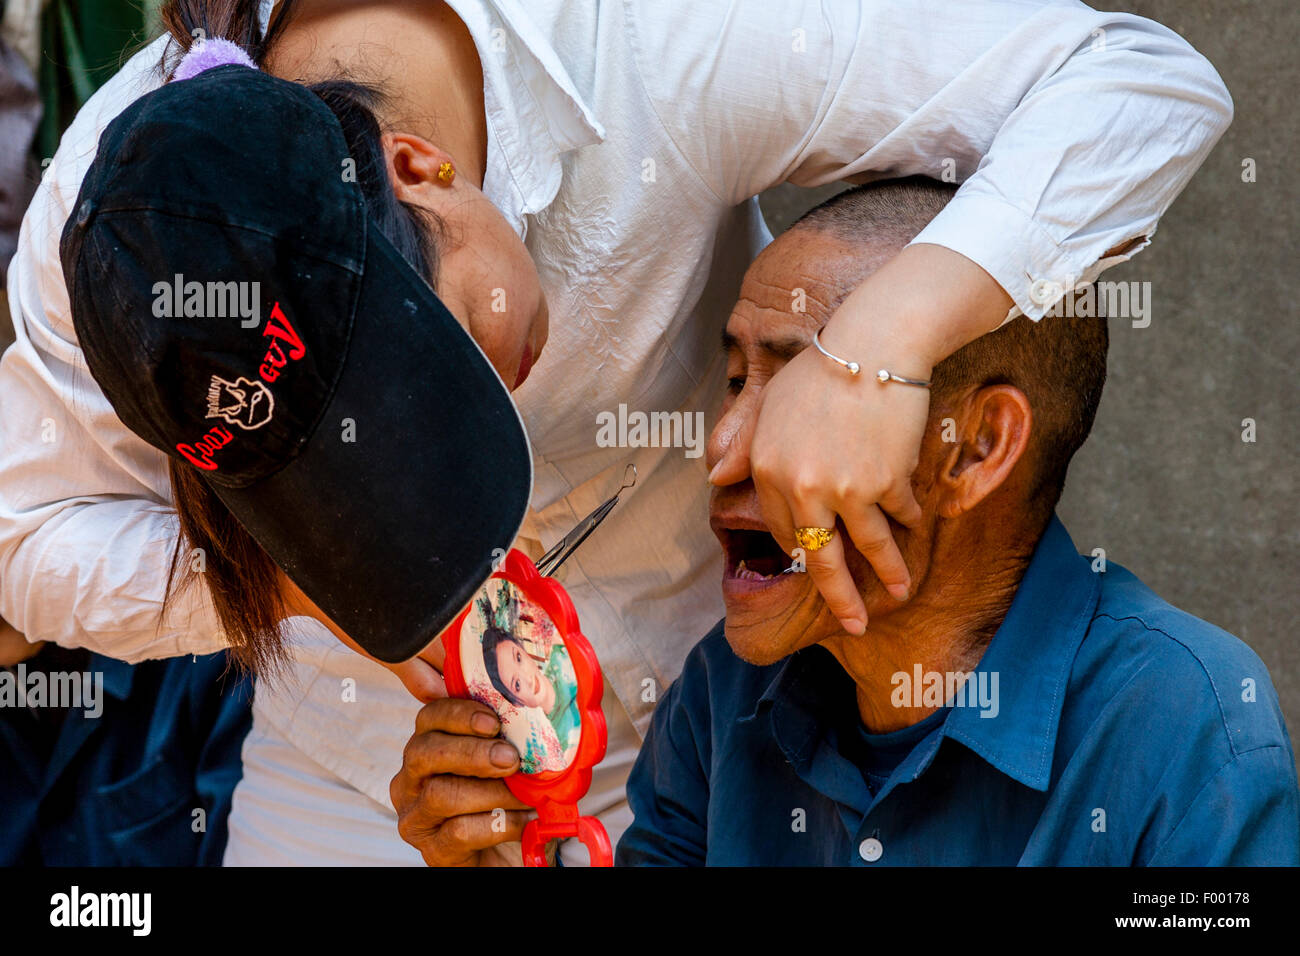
point(534, 111)
point(1032, 653)
point(808, 702)
point(788, 679)
point(118, 675)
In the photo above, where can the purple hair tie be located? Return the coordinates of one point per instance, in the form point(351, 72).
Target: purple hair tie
point(206, 54)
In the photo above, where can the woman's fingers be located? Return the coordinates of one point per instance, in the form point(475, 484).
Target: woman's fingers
point(830, 445)
point(784, 512)
point(420, 679)
point(870, 532)
point(435, 655)
point(899, 502)
point(831, 574)
point(776, 512)
point(827, 566)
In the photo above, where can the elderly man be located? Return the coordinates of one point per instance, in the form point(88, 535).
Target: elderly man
point(1022, 706)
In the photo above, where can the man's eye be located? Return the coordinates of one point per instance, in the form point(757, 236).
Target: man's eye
point(735, 385)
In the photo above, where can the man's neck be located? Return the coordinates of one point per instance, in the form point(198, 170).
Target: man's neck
point(945, 629)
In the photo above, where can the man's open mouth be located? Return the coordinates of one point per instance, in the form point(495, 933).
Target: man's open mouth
point(752, 555)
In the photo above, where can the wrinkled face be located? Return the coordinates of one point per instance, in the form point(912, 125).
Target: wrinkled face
point(520, 674)
point(772, 612)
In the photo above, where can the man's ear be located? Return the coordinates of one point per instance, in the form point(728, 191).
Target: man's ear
point(413, 164)
point(994, 424)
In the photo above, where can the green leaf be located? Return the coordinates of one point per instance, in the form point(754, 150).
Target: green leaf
point(109, 32)
point(83, 43)
point(74, 59)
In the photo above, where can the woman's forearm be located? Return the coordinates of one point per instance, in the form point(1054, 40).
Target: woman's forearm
point(916, 310)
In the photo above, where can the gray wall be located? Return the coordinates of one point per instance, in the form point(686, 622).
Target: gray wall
point(1165, 484)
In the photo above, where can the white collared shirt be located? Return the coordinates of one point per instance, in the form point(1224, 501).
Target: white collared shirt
point(626, 143)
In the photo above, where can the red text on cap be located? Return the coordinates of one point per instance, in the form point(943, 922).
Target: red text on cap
point(278, 329)
point(200, 453)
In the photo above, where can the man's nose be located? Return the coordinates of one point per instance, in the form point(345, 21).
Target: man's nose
point(729, 442)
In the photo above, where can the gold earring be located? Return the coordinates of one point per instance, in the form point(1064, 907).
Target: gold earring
point(446, 173)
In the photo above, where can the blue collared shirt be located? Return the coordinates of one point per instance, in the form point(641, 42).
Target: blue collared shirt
point(1122, 732)
point(144, 778)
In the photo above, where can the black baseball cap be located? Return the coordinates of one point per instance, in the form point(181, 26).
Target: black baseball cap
point(352, 426)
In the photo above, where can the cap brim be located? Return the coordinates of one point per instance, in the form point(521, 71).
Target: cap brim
point(418, 470)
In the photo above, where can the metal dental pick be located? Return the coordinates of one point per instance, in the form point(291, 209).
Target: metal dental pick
point(550, 562)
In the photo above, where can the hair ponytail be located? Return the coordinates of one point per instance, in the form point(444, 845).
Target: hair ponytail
point(189, 21)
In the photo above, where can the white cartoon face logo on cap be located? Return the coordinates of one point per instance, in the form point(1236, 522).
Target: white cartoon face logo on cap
point(244, 402)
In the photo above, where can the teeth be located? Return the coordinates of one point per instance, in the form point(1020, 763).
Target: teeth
point(746, 574)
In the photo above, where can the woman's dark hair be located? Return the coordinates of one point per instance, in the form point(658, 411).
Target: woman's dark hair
point(240, 577)
point(493, 638)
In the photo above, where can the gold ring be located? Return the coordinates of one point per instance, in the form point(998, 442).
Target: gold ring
point(813, 539)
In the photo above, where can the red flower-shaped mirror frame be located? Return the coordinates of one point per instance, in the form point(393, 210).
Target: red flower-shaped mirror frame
point(553, 792)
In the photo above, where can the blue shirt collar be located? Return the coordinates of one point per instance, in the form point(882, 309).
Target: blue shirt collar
point(117, 675)
point(1032, 653)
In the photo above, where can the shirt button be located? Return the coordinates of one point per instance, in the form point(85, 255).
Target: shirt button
point(870, 849)
point(1045, 291)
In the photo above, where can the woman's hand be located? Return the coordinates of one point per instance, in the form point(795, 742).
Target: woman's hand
point(421, 675)
point(451, 804)
point(831, 446)
point(14, 647)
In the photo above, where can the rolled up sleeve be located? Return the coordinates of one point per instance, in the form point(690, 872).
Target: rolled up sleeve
point(86, 528)
point(1070, 130)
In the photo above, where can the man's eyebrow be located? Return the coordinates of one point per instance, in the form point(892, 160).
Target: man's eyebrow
point(784, 347)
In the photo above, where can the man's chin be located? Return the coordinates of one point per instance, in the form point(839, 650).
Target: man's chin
point(760, 644)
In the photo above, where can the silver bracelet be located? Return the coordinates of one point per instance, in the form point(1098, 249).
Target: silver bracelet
point(884, 376)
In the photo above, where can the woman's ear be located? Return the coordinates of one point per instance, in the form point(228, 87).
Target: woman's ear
point(413, 164)
point(993, 429)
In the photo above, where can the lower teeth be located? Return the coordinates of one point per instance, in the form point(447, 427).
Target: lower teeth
point(748, 575)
